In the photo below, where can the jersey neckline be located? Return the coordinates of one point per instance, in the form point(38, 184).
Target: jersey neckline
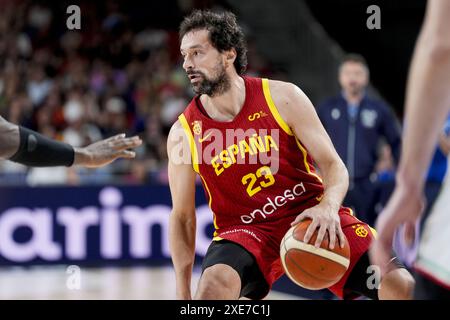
point(204, 115)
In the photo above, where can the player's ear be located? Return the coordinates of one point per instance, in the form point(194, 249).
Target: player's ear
point(230, 56)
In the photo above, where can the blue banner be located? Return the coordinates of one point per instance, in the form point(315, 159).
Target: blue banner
point(91, 225)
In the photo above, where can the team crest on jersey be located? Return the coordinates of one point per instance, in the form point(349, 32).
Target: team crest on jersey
point(360, 231)
point(197, 127)
point(369, 118)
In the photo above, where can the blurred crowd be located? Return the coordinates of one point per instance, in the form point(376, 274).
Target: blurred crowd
point(120, 73)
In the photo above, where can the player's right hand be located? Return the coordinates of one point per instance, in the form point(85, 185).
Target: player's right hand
point(326, 219)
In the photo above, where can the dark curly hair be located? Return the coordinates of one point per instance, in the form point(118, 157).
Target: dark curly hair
point(224, 33)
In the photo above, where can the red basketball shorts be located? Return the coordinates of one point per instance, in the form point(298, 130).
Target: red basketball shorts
point(263, 242)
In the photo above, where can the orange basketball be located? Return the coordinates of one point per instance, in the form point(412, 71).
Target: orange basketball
point(310, 267)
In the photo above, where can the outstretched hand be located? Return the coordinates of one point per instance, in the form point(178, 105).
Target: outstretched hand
point(106, 151)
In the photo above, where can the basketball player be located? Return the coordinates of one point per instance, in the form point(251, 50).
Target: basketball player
point(252, 142)
point(30, 148)
point(427, 107)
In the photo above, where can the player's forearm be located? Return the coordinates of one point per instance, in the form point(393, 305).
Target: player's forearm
point(427, 86)
point(9, 138)
point(335, 181)
point(182, 247)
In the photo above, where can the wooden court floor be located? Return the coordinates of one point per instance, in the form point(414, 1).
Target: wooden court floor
point(118, 283)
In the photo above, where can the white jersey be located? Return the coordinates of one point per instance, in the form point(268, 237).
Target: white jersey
point(434, 249)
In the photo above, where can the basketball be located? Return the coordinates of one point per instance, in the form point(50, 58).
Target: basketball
point(310, 267)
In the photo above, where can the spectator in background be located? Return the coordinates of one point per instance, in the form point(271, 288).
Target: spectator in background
point(38, 86)
point(357, 124)
point(385, 183)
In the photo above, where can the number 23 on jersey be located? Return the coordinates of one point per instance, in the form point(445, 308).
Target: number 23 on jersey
point(262, 178)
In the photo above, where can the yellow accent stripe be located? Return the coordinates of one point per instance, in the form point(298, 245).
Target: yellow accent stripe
point(351, 212)
point(192, 145)
point(217, 238)
point(284, 125)
point(210, 202)
point(207, 190)
point(305, 160)
point(273, 108)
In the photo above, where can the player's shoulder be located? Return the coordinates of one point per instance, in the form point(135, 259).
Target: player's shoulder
point(175, 130)
point(288, 99)
point(177, 137)
point(285, 94)
point(282, 87)
point(189, 111)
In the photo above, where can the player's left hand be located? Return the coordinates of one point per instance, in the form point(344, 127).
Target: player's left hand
point(405, 206)
point(106, 151)
point(326, 219)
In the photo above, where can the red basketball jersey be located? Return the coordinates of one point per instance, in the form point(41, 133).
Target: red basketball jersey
point(253, 169)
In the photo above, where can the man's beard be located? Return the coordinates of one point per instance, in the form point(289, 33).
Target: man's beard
point(356, 89)
point(212, 87)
